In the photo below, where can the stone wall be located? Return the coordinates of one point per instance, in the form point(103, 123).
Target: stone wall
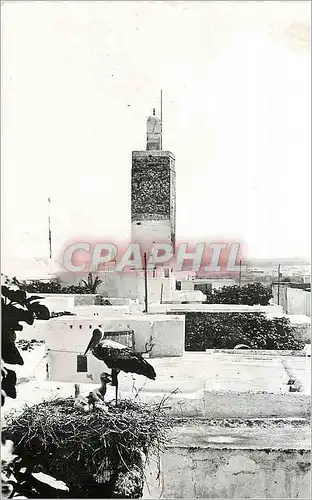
point(234, 464)
point(153, 196)
point(150, 186)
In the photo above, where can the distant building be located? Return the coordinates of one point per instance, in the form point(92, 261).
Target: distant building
point(293, 300)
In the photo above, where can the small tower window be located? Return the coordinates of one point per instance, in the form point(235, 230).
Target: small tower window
point(138, 223)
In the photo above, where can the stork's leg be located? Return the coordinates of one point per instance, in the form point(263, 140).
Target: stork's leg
point(116, 397)
point(115, 382)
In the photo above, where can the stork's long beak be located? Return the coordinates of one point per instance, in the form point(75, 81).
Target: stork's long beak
point(89, 346)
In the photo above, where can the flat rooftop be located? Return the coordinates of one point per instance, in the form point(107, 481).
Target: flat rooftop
point(211, 384)
point(257, 434)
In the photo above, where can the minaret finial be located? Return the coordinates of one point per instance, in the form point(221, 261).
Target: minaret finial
point(153, 133)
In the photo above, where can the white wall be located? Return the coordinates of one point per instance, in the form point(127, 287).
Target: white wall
point(293, 300)
point(68, 337)
point(188, 284)
point(62, 367)
point(58, 302)
point(132, 285)
point(186, 296)
point(151, 231)
point(120, 301)
point(37, 331)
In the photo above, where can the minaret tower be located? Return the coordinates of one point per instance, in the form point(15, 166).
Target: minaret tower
point(153, 190)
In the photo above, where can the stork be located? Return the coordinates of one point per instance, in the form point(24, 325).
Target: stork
point(118, 357)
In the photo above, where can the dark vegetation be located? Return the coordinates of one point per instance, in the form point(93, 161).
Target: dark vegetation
point(250, 294)
point(226, 330)
point(55, 286)
point(16, 308)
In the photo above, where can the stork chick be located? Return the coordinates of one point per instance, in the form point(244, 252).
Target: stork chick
point(97, 396)
point(80, 401)
point(105, 379)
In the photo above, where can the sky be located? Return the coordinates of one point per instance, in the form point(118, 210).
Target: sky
point(79, 80)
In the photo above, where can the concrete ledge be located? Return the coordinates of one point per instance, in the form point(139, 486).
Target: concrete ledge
point(230, 405)
point(210, 461)
point(274, 310)
point(92, 310)
point(249, 434)
point(255, 404)
point(258, 352)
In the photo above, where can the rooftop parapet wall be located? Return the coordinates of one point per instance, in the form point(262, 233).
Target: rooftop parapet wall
point(59, 302)
point(215, 308)
point(99, 311)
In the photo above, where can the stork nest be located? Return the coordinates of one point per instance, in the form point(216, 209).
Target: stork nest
point(85, 450)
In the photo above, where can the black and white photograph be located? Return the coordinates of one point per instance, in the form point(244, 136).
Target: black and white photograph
point(156, 249)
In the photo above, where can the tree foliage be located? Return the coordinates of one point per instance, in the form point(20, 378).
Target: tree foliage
point(91, 284)
point(55, 286)
point(250, 294)
point(226, 330)
point(16, 308)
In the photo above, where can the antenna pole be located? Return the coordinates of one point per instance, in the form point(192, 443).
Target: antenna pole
point(49, 221)
point(278, 283)
point(240, 273)
point(145, 282)
point(161, 119)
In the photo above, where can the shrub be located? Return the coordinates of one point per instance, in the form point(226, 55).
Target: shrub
point(250, 294)
point(226, 330)
point(15, 309)
point(55, 286)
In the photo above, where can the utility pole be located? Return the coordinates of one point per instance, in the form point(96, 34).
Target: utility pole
point(240, 273)
point(145, 278)
point(161, 120)
point(161, 293)
point(49, 222)
point(278, 284)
